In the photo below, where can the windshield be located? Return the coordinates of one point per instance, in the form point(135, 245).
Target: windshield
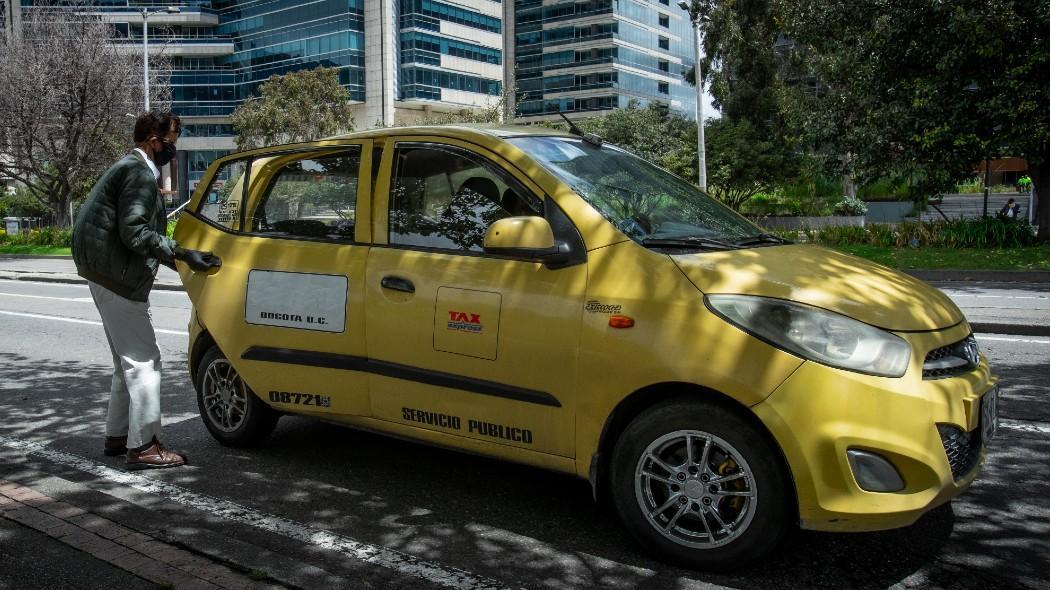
point(647, 203)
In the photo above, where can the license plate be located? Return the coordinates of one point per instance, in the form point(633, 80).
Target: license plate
point(990, 414)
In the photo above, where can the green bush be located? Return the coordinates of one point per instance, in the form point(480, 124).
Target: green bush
point(850, 206)
point(52, 237)
point(974, 185)
point(986, 232)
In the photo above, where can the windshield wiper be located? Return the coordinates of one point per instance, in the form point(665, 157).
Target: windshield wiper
point(761, 239)
point(688, 242)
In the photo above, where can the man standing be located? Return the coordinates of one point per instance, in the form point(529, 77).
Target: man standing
point(118, 242)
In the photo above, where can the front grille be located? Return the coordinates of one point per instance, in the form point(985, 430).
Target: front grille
point(963, 448)
point(954, 359)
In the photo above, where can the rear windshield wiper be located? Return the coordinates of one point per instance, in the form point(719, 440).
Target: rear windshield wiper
point(688, 242)
point(761, 239)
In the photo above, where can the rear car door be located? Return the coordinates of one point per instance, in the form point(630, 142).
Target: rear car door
point(290, 292)
point(463, 342)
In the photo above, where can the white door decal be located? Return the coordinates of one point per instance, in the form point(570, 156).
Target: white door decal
point(296, 300)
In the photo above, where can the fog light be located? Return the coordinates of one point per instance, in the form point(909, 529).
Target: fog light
point(873, 472)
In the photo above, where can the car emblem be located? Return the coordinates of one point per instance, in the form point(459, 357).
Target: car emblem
point(970, 351)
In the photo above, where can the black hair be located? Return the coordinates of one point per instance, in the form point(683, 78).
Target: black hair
point(155, 123)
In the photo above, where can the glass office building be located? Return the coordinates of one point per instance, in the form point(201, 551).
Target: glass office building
point(589, 56)
point(398, 59)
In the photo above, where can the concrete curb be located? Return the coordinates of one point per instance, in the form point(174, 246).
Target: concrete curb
point(1010, 329)
point(71, 280)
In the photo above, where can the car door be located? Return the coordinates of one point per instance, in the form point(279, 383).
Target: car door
point(459, 341)
point(290, 292)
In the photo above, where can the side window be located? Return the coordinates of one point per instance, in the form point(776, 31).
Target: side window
point(221, 203)
point(315, 197)
point(447, 198)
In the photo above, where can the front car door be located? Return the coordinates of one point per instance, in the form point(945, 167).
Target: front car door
point(290, 292)
point(462, 342)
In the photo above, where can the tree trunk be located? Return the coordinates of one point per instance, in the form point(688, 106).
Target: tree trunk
point(60, 207)
point(1040, 175)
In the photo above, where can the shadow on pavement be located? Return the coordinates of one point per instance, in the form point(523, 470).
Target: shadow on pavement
point(509, 522)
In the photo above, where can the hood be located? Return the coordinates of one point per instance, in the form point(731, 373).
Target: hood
point(863, 290)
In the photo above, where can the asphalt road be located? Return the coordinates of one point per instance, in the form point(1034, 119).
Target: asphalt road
point(323, 506)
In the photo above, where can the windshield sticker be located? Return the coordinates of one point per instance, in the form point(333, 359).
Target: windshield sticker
point(296, 300)
point(464, 322)
point(595, 306)
point(228, 212)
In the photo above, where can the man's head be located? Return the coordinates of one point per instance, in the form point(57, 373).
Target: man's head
point(1010, 202)
point(156, 134)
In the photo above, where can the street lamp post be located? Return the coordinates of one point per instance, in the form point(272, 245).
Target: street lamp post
point(700, 150)
point(146, 13)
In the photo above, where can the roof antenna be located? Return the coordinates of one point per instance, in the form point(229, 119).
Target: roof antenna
point(588, 137)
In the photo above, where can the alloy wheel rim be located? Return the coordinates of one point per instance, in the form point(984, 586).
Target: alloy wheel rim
point(225, 398)
point(695, 489)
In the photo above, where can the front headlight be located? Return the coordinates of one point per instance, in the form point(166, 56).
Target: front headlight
point(815, 334)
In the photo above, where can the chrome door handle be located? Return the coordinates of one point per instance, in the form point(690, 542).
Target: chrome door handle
point(398, 284)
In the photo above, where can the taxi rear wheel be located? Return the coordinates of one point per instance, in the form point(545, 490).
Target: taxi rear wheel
point(230, 409)
point(698, 484)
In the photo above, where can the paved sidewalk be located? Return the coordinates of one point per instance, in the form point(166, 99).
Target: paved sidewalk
point(116, 545)
point(60, 269)
point(997, 302)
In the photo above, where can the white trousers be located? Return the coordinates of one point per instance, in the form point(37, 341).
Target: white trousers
point(134, 395)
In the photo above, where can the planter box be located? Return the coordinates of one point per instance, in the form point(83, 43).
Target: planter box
point(887, 211)
point(789, 223)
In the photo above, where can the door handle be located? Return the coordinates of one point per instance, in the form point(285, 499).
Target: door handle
point(398, 284)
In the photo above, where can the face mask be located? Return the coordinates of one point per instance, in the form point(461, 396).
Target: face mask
point(165, 155)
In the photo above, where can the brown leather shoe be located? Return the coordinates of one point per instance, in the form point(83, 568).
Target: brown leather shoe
point(115, 445)
point(154, 456)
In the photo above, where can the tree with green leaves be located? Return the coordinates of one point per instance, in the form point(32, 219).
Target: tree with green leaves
point(742, 161)
point(750, 149)
point(301, 106)
point(930, 88)
point(652, 132)
point(66, 90)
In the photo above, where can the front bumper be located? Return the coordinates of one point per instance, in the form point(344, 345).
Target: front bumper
point(819, 413)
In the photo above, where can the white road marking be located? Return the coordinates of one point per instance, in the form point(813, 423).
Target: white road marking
point(74, 299)
point(1023, 426)
point(79, 321)
point(374, 554)
point(954, 295)
point(1022, 340)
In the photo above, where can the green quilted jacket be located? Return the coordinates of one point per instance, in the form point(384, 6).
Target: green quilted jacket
point(119, 235)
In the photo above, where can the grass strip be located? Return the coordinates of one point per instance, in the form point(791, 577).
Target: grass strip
point(1031, 258)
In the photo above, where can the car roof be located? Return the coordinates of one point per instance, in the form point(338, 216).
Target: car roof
point(500, 131)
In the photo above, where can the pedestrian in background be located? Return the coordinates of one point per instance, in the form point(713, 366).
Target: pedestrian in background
point(1010, 210)
point(119, 239)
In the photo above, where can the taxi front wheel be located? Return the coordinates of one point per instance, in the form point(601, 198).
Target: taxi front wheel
point(698, 484)
point(231, 411)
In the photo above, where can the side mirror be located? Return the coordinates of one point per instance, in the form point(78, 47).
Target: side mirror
point(525, 237)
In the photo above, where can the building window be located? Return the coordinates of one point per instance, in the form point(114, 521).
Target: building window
point(663, 88)
point(665, 66)
point(664, 43)
point(665, 21)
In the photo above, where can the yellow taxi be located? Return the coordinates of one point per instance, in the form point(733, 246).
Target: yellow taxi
point(537, 296)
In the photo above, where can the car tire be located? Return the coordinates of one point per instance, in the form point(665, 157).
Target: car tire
point(715, 511)
point(231, 411)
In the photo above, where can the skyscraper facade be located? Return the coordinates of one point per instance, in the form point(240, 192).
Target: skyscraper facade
point(399, 60)
point(585, 57)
